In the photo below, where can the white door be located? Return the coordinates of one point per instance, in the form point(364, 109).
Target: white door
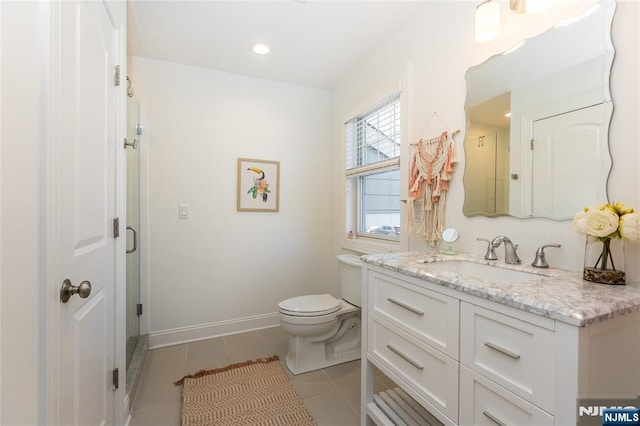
point(563, 181)
point(86, 208)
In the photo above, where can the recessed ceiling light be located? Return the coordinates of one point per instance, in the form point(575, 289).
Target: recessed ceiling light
point(261, 49)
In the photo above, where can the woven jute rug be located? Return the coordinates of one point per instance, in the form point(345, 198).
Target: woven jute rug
point(256, 392)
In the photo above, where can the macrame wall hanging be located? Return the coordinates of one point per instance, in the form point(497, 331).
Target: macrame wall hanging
point(432, 167)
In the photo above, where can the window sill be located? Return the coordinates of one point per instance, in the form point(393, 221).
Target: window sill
point(370, 245)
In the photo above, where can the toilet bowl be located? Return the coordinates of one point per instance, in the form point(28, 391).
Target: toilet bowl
point(324, 330)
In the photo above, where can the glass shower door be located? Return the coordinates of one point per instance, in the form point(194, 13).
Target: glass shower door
point(133, 225)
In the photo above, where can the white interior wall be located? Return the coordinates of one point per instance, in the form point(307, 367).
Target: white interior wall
point(439, 45)
point(23, 76)
point(221, 270)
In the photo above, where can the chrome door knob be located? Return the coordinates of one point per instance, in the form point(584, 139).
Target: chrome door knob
point(67, 290)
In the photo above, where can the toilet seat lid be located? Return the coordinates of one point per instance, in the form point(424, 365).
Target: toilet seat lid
point(310, 305)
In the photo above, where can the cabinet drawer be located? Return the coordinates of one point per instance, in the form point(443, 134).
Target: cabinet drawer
point(432, 374)
point(513, 353)
point(482, 402)
point(425, 314)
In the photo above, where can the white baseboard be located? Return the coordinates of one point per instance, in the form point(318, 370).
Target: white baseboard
point(176, 336)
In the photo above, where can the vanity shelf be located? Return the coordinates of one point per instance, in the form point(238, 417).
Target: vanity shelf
point(395, 407)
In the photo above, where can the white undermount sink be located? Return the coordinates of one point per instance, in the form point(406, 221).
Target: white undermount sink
point(483, 271)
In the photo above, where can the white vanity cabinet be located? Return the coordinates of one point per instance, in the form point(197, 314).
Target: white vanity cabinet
point(507, 372)
point(515, 354)
point(413, 335)
point(483, 402)
point(416, 310)
point(469, 360)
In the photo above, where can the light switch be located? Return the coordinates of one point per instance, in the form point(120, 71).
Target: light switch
point(183, 211)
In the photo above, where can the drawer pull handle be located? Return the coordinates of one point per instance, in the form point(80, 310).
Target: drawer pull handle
point(404, 305)
point(502, 350)
point(405, 357)
point(493, 418)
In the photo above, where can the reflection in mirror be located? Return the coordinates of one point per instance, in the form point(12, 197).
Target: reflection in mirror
point(537, 123)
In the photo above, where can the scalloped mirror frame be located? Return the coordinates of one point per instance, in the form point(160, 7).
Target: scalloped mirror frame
point(511, 177)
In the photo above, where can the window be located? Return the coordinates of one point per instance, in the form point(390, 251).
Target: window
point(373, 172)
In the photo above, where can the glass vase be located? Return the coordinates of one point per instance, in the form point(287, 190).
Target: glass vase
point(604, 261)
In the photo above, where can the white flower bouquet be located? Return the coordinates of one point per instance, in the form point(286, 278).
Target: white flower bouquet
point(601, 224)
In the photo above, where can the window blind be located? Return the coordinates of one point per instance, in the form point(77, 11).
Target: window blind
point(373, 138)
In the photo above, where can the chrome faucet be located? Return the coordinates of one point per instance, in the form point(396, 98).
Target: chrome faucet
point(491, 252)
point(540, 261)
point(510, 255)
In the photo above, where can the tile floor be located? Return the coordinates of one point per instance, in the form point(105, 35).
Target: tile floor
point(332, 395)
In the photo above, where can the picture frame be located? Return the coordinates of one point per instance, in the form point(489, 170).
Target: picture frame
point(258, 185)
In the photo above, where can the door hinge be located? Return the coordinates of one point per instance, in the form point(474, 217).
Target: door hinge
point(116, 378)
point(116, 227)
point(531, 144)
point(139, 309)
point(116, 76)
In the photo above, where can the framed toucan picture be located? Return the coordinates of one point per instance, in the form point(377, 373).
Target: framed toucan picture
point(258, 185)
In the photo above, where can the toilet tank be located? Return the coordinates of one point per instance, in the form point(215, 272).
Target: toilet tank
point(350, 267)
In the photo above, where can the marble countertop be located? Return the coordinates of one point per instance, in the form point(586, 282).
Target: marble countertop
point(553, 293)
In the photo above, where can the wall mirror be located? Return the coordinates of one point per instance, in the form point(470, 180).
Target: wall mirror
point(538, 117)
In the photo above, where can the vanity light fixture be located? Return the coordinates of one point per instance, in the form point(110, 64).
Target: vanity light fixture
point(517, 6)
point(487, 21)
point(538, 6)
point(531, 6)
point(261, 49)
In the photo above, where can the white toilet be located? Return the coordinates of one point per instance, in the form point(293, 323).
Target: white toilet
point(325, 331)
